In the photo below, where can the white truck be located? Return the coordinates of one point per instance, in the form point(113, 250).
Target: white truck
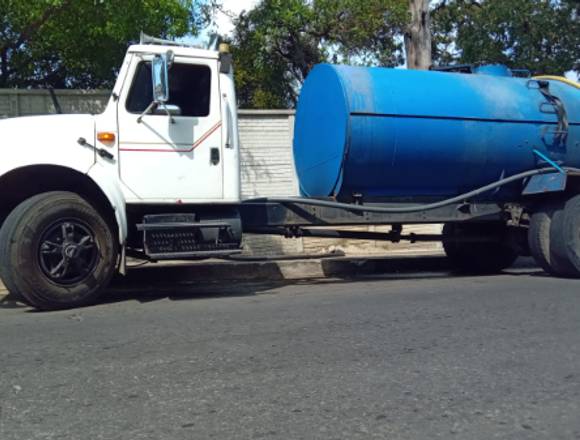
point(157, 176)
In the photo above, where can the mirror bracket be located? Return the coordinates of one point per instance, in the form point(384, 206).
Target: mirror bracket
point(148, 110)
point(164, 107)
point(151, 109)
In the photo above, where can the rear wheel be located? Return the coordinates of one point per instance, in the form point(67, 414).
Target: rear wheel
point(545, 240)
point(468, 252)
point(56, 251)
point(566, 236)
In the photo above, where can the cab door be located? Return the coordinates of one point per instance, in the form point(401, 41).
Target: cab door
point(179, 158)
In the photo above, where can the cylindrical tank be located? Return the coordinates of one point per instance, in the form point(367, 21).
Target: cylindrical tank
point(386, 134)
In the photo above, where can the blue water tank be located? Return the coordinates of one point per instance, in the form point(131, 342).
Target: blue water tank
point(388, 134)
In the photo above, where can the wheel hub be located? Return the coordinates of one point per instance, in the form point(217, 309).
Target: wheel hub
point(71, 251)
point(68, 253)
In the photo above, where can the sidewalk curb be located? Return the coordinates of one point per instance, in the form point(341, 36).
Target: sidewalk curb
point(286, 270)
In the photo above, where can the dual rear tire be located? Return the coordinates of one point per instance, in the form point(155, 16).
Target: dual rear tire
point(553, 240)
point(554, 237)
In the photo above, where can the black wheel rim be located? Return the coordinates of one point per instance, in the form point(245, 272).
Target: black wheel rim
point(68, 252)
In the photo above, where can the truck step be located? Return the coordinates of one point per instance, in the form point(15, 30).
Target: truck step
point(185, 236)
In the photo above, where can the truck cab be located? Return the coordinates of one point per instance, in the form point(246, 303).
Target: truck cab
point(156, 175)
point(179, 146)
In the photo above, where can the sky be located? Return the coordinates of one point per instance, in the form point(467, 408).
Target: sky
point(223, 22)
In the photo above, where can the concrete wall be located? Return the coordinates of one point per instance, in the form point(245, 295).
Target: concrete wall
point(267, 169)
point(16, 102)
point(267, 166)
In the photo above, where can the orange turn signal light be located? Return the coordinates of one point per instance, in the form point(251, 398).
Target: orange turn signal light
point(106, 136)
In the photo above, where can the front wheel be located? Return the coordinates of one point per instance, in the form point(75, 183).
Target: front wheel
point(56, 251)
point(478, 248)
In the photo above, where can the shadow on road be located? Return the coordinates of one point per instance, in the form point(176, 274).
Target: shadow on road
point(164, 286)
point(10, 302)
point(156, 283)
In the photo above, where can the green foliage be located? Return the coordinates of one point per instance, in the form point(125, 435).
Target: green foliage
point(81, 43)
point(540, 35)
point(277, 43)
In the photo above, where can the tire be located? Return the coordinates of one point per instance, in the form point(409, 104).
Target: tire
point(56, 251)
point(544, 239)
point(567, 236)
point(6, 276)
point(473, 257)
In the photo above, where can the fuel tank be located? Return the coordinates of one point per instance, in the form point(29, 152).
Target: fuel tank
point(386, 134)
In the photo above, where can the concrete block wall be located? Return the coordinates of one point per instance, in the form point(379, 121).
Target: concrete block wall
point(17, 102)
point(267, 164)
point(267, 167)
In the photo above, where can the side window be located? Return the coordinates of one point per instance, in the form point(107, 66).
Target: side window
point(189, 89)
point(141, 93)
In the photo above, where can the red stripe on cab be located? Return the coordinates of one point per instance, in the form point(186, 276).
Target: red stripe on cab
point(172, 150)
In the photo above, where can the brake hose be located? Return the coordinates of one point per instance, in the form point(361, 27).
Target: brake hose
point(408, 209)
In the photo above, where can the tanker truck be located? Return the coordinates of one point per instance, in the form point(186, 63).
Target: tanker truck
point(492, 155)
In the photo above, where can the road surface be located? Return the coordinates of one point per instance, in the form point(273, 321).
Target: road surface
point(416, 356)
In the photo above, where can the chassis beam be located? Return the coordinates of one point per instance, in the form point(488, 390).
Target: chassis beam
point(258, 216)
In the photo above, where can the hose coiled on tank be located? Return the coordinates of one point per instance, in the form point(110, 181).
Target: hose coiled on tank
point(408, 209)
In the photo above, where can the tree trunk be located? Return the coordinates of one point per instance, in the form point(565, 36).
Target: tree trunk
point(418, 36)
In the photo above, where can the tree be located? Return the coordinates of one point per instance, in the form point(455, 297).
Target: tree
point(540, 35)
point(81, 43)
point(418, 36)
point(278, 42)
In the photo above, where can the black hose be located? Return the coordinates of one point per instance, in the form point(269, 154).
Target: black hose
point(458, 199)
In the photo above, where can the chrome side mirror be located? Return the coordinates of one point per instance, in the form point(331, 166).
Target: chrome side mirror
point(160, 76)
point(160, 82)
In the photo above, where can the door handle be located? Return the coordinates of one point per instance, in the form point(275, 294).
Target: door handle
point(214, 156)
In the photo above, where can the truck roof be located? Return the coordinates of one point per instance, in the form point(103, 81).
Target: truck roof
point(182, 51)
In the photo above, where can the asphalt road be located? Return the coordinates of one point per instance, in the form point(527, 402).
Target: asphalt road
point(421, 356)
